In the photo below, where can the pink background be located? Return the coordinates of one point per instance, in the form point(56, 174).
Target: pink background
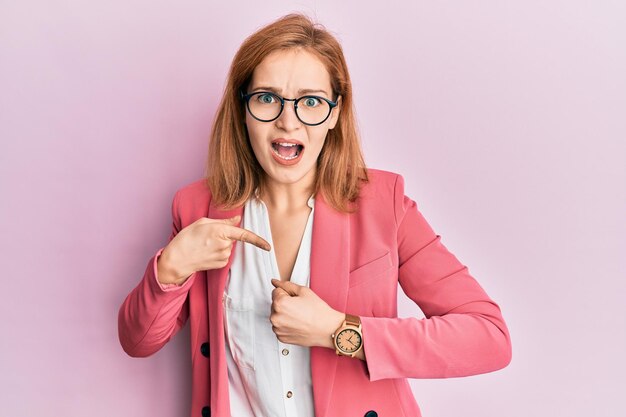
point(507, 120)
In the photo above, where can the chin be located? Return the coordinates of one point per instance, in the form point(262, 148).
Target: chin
point(289, 174)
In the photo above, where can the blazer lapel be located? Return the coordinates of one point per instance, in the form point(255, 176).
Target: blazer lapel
point(330, 268)
point(330, 249)
point(216, 282)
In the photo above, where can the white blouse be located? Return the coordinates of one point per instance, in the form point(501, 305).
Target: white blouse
point(267, 378)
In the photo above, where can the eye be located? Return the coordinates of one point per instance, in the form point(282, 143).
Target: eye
point(266, 98)
point(311, 101)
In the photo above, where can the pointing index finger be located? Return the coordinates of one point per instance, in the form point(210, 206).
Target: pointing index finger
point(245, 235)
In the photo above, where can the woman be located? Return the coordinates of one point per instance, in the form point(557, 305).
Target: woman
point(300, 318)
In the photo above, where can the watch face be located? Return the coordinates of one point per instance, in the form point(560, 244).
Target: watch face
point(348, 340)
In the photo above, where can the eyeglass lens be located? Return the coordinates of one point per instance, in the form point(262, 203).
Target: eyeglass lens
point(266, 106)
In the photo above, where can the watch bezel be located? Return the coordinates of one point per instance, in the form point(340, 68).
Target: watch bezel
point(344, 330)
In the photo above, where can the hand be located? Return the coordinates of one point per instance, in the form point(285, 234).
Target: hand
point(301, 317)
point(204, 244)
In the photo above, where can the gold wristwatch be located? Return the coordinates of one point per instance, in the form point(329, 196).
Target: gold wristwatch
point(348, 338)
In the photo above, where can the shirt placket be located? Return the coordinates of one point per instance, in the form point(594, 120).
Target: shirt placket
point(288, 353)
point(285, 351)
point(286, 371)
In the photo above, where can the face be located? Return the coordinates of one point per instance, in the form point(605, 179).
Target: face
point(287, 73)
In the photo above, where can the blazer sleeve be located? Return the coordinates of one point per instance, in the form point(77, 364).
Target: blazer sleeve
point(463, 332)
point(152, 312)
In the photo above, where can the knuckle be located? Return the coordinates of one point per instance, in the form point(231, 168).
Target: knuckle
point(245, 236)
point(276, 307)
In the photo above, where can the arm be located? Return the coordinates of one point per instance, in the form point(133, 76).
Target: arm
point(153, 312)
point(463, 333)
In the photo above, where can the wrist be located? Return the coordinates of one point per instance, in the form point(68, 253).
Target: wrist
point(166, 273)
point(334, 322)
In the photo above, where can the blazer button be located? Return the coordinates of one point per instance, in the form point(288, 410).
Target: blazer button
point(206, 411)
point(371, 413)
point(204, 348)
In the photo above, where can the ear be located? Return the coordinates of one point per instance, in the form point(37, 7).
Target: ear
point(334, 115)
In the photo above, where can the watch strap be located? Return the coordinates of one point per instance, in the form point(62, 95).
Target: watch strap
point(352, 320)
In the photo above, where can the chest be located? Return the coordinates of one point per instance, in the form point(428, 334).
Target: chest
point(287, 232)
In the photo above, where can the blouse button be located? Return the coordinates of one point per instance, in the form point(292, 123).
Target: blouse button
point(289, 394)
point(285, 352)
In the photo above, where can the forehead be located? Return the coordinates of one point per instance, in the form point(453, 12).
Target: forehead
point(291, 70)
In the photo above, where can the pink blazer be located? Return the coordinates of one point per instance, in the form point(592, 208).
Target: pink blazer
point(357, 262)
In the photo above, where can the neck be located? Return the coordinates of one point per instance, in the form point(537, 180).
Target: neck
point(287, 198)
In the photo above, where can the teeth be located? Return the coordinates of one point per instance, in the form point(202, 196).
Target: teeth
point(287, 145)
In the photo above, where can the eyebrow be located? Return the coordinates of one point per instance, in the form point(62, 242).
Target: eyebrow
point(301, 91)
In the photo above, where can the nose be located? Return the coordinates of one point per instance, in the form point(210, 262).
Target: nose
point(288, 120)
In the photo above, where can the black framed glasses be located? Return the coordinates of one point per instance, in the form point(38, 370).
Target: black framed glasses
point(266, 106)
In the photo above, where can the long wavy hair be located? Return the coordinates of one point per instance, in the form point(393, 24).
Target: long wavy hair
point(233, 172)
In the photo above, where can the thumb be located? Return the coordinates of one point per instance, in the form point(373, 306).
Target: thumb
point(291, 288)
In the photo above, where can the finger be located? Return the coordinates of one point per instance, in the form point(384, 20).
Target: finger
point(288, 286)
point(277, 292)
point(245, 235)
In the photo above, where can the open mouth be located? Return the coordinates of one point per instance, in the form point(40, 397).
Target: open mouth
point(287, 151)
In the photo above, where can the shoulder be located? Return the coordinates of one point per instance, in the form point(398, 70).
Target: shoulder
point(381, 175)
point(383, 186)
point(191, 196)
point(382, 182)
point(385, 190)
point(197, 188)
